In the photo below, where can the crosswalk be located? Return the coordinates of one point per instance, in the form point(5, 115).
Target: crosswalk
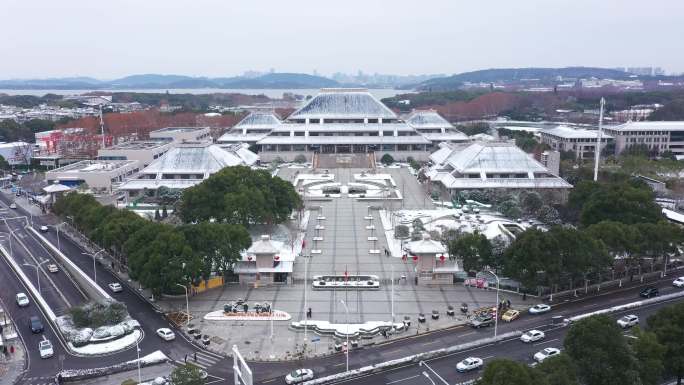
point(202, 359)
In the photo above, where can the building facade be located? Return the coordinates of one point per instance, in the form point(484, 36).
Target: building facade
point(656, 137)
point(581, 142)
point(99, 175)
point(182, 134)
point(144, 151)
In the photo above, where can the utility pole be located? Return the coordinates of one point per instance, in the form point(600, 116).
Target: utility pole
point(597, 150)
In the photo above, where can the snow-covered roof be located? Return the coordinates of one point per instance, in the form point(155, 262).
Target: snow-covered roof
point(427, 119)
point(259, 119)
point(55, 188)
point(484, 137)
point(379, 140)
point(263, 246)
point(649, 126)
point(200, 158)
point(341, 103)
point(345, 127)
point(153, 184)
point(566, 132)
point(235, 137)
point(426, 246)
point(449, 136)
point(490, 165)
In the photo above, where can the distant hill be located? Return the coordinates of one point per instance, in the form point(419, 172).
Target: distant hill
point(156, 81)
point(516, 74)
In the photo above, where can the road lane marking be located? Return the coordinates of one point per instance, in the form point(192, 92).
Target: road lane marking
point(267, 381)
point(468, 334)
point(545, 342)
point(395, 351)
point(340, 364)
point(403, 379)
point(488, 357)
point(431, 342)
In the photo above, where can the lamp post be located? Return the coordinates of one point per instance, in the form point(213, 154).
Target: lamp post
point(496, 320)
point(137, 348)
point(57, 230)
point(37, 271)
point(187, 303)
point(346, 309)
point(94, 269)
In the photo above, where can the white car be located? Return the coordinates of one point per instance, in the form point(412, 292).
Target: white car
point(299, 375)
point(166, 334)
point(52, 268)
point(470, 363)
point(540, 308)
point(540, 356)
point(116, 287)
point(532, 336)
point(628, 321)
point(13, 206)
point(22, 300)
point(45, 348)
point(44, 229)
point(679, 282)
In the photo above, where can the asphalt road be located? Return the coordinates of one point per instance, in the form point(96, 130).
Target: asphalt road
point(61, 292)
point(443, 370)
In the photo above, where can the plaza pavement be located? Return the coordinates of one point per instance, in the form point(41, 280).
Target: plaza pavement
point(345, 247)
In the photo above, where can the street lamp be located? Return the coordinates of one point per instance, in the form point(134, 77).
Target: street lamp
point(137, 348)
point(57, 229)
point(496, 320)
point(187, 303)
point(346, 309)
point(94, 269)
point(37, 271)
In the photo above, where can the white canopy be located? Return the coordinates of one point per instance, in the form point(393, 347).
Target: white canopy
point(55, 188)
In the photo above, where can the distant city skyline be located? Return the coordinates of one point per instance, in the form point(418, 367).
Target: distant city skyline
point(45, 39)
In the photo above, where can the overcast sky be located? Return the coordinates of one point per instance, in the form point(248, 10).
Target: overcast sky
point(108, 39)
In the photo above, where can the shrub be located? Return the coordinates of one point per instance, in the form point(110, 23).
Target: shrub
point(98, 314)
point(401, 232)
point(301, 158)
point(387, 159)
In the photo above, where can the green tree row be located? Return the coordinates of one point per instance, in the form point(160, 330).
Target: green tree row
point(597, 353)
point(240, 195)
point(158, 255)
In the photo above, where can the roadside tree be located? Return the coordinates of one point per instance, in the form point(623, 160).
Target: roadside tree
point(668, 326)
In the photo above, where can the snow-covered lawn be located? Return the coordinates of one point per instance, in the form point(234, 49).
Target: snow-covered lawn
point(154, 358)
point(98, 349)
point(220, 315)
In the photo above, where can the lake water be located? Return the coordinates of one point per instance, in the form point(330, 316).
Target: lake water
point(271, 93)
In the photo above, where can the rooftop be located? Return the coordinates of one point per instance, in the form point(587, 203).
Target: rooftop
point(200, 158)
point(259, 119)
point(649, 126)
point(573, 133)
point(487, 157)
point(180, 129)
point(343, 103)
point(417, 139)
point(427, 119)
point(94, 166)
point(139, 145)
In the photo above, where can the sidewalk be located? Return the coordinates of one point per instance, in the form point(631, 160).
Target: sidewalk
point(12, 364)
point(146, 374)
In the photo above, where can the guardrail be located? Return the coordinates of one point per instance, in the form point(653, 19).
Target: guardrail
point(627, 306)
point(412, 359)
point(83, 279)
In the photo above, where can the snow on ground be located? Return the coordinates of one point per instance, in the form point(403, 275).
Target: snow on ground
point(486, 222)
point(156, 357)
point(220, 315)
point(342, 330)
point(116, 345)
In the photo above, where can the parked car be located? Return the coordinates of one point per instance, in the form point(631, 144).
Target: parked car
point(649, 292)
point(481, 321)
point(166, 334)
point(45, 349)
point(13, 205)
point(52, 268)
point(22, 300)
point(679, 282)
point(510, 316)
point(115, 287)
point(468, 364)
point(35, 324)
point(299, 375)
point(540, 308)
point(532, 336)
point(628, 321)
point(44, 229)
point(540, 356)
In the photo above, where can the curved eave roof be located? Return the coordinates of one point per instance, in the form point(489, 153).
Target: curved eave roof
point(343, 104)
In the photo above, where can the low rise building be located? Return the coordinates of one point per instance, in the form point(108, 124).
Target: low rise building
point(186, 165)
point(16, 153)
point(182, 134)
point(264, 264)
point(432, 263)
point(656, 137)
point(144, 151)
point(492, 166)
point(581, 142)
point(253, 128)
point(433, 127)
point(100, 176)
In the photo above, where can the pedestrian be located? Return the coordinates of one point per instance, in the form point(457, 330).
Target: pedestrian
point(524, 296)
point(508, 303)
point(195, 357)
point(186, 359)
